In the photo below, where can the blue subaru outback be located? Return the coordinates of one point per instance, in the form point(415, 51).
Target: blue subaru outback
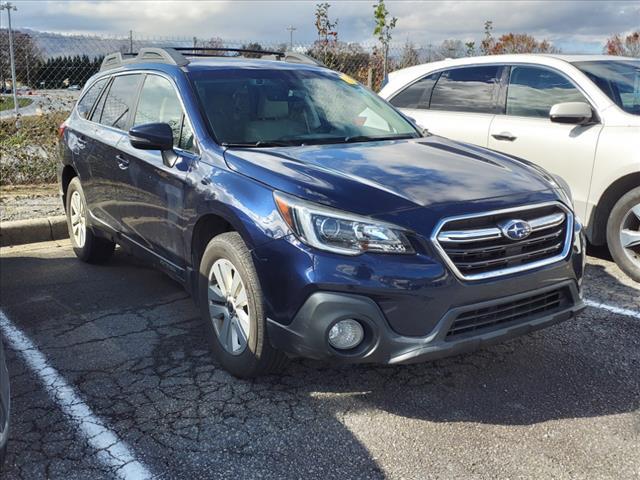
point(310, 218)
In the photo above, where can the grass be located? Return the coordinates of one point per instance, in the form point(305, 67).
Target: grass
point(6, 102)
point(29, 153)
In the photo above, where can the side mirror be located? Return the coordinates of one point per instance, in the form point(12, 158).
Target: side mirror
point(577, 113)
point(155, 136)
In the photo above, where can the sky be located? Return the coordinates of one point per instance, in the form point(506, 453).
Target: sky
point(574, 26)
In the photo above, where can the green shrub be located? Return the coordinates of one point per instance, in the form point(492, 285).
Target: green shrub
point(29, 154)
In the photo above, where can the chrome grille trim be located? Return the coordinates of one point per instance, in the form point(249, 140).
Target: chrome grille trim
point(488, 234)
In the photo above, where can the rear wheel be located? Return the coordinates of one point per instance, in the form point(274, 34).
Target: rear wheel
point(87, 246)
point(231, 304)
point(623, 233)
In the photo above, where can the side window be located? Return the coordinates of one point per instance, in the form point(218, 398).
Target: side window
point(89, 98)
point(468, 89)
point(97, 111)
point(533, 91)
point(159, 103)
point(416, 95)
point(119, 101)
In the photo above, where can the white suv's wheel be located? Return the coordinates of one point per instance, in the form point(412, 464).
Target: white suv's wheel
point(87, 246)
point(623, 233)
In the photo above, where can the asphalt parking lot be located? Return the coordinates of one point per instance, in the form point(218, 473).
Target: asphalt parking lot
point(114, 380)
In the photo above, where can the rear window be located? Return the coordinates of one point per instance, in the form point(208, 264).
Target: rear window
point(89, 98)
point(119, 101)
point(470, 89)
point(416, 95)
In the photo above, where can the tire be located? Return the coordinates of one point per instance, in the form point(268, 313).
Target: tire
point(227, 256)
point(88, 247)
point(625, 217)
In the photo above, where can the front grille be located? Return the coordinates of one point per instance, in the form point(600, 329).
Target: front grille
point(514, 311)
point(477, 246)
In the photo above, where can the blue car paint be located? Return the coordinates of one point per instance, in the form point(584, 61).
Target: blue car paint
point(411, 183)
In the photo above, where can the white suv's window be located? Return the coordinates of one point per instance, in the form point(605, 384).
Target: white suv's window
point(417, 95)
point(618, 79)
point(533, 91)
point(467, 89)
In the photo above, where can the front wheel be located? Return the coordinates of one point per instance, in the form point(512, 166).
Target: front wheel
point(623, 233)
point(87, 246)
point(231, 304)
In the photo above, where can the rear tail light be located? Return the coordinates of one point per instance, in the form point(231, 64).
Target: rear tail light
point(61, 129)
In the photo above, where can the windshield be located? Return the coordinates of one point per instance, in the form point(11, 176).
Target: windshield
point(618, 79)
point(262, 107)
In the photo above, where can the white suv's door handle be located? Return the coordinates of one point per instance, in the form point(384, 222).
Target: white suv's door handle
point(506, 136)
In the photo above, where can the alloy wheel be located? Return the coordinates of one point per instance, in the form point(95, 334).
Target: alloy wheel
point(78, 219)
point(630, 234)
point(229, 306)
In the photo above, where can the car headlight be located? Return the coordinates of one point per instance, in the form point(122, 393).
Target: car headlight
point(340, 232)
point(564, 187)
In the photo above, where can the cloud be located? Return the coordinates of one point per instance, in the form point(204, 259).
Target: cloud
point(563, 22)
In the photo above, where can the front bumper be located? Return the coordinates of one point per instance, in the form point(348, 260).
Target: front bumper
point(306, 335)
point(407, 304)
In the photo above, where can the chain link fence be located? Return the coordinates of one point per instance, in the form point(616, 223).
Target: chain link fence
point(47, 61)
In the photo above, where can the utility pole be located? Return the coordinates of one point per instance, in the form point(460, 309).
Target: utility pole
point(291, 29)
point(131, 42)
point(8, 6)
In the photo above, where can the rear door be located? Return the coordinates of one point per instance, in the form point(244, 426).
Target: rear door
point(154, 193)
point(526, 131)
point(107, 170)
point(82, 133)
point(457, 103)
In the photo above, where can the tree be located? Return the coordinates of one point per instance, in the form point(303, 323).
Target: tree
point(325, 27)
point(488, 42)
point(253, 46)
point(471, 48)
point(410, 56)
point(27, 57)
point(383, 28)
point(629, 47)
point(213, 43)
point(451, 49)
point(521, 43)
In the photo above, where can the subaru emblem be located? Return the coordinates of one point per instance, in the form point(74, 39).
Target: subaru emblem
point(515, 229)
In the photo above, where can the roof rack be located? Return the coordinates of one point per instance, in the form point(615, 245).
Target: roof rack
point(178, 56)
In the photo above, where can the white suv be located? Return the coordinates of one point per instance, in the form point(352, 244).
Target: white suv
point(576, 116)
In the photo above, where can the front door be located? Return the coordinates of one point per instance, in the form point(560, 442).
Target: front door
point(526, 131)
point(153, 198)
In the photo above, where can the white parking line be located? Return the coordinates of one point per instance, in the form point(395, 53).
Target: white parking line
point(111, 451)
point(613, 309)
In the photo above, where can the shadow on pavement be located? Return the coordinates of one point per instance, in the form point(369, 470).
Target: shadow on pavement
point(131, 341)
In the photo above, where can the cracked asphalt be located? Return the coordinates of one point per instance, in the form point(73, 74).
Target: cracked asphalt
point(560, 403)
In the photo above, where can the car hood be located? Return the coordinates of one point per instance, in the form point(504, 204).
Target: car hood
point(383, 176)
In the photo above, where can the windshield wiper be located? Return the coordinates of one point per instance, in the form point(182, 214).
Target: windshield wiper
point(259, 144)
point(367, 138)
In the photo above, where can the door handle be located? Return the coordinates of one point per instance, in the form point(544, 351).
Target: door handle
point(505, 136)
point(123, 163)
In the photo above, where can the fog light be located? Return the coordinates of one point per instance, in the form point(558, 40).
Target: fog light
point(346, 334)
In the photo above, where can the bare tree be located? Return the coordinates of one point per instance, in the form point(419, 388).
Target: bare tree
point(629, 47)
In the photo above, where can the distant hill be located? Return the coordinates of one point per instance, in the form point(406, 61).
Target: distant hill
point(57, 44)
